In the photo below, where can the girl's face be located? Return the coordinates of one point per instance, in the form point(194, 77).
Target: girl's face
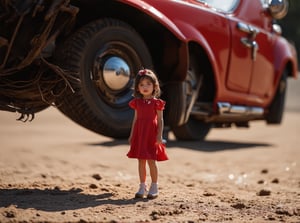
point(146, 87)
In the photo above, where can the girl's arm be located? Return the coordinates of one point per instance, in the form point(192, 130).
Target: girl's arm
point(160, 126)
point(132, 125)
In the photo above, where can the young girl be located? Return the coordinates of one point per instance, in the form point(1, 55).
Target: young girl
point(146, 143)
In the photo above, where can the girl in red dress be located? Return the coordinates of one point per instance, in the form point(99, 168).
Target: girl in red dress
point(146, 143)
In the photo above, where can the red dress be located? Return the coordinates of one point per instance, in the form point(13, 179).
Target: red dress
point(143, 141)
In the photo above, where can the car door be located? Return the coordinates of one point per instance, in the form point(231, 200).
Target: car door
point(251, 64)
point(263, 74)
point(241, 61)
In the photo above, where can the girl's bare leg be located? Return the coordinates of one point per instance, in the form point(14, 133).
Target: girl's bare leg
point(153, 170)
point(142, 173)
point(142, 170)
point(153, 191)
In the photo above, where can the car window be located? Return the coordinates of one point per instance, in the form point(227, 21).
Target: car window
point(224, 5)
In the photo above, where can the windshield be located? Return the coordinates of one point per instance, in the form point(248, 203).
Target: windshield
point(224, 5)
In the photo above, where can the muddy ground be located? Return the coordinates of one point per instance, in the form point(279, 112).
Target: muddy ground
point(52, 170)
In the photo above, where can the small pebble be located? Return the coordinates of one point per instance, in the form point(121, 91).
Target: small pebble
point(97, 176)
point(261, 182)
point(93, 186)
point(264, 192)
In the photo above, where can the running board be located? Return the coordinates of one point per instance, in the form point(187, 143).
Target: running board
point(227, 108)
point(227, 113)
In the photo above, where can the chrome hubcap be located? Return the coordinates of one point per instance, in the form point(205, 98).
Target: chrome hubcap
point(116, 74)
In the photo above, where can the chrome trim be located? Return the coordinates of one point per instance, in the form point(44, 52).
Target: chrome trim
point(246, 110)
point(252, 31)
point(223, 107)
point(243, 27)
point(246, 42)
point(227, 108)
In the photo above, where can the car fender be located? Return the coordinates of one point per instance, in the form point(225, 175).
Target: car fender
point(155, 14)
point(191, 34)
point(182, 30)
point(284, 56)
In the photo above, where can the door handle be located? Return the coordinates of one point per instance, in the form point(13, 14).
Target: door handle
point(252, 44)
point(249, 41)
point(246, 42)
point(250, 30)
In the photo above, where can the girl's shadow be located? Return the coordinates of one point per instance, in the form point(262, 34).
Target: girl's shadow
point(56, 199)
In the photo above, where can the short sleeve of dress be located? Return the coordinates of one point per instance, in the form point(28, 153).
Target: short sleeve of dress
point(160, 104)
point(132, 104)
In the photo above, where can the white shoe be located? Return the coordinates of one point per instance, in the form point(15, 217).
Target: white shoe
point(153, 191)
point(142, 191)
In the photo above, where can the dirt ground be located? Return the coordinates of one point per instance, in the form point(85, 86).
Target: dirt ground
point(52, 170)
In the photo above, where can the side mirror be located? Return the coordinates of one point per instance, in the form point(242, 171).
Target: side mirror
point(278, 8)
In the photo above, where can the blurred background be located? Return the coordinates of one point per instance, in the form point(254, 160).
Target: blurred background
point(291, 25)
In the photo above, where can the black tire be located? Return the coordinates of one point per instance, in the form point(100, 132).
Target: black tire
point(276, 108)
point(104, 55)
point(192, 130)
point(176, 104)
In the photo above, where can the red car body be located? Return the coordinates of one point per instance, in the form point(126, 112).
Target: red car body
point(239, 78)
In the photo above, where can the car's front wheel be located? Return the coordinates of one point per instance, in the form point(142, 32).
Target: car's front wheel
point(104, 55)
point(276, 108)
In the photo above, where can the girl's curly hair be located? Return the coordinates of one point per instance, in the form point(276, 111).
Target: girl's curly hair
point(150, 75)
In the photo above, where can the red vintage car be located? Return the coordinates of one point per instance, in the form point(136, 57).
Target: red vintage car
point(220, 63)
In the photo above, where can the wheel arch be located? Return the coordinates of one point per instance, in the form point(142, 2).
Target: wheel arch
point(205, 67)
point(285, 61)
point(286, 58)
point(168, 41)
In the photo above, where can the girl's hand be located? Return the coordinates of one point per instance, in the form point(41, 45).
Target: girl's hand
point(160, 140)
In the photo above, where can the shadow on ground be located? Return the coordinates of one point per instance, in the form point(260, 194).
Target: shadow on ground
point(57, 200)
point(205, 146)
